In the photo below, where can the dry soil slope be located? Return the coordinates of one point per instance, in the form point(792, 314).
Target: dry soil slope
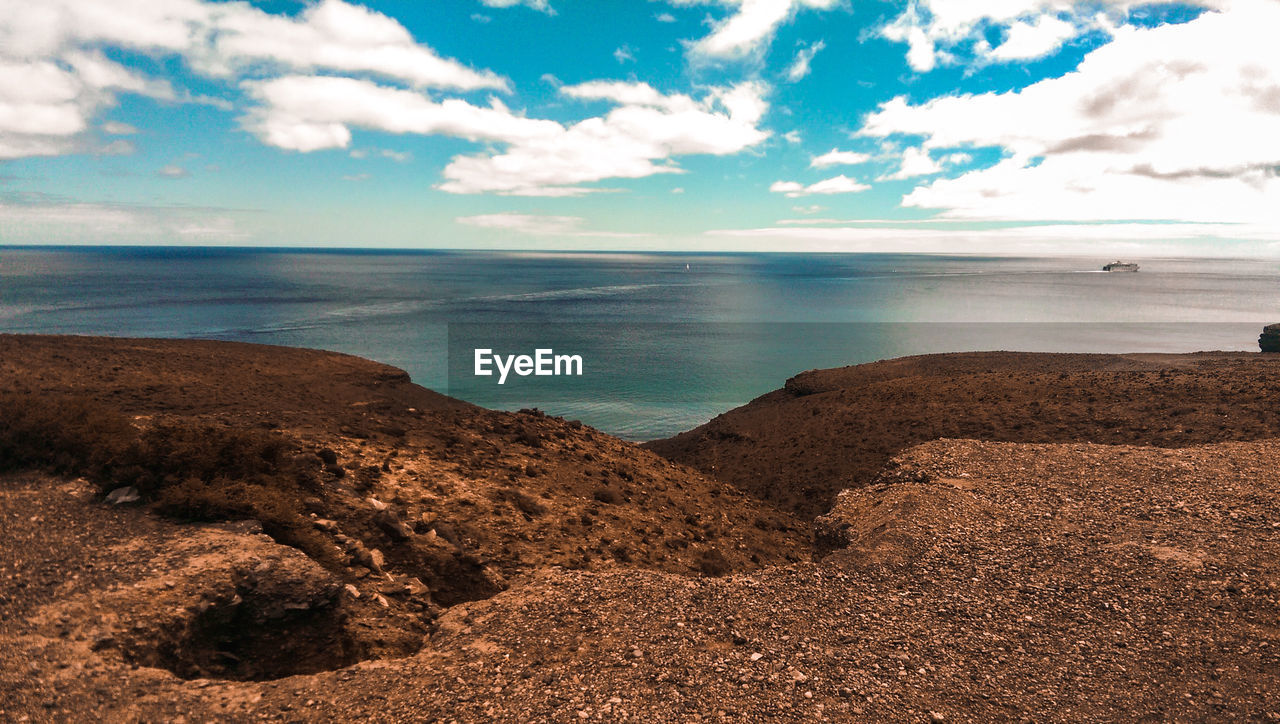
point(828, 430)
point(473, 497)
point(980, 582)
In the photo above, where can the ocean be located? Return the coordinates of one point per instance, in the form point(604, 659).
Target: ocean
point(668, 340)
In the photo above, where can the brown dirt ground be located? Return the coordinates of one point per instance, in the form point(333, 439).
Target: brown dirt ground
point(1000, 582)
point(519, 490)
point(481, 498)
point(828, 430)
point(957, 581)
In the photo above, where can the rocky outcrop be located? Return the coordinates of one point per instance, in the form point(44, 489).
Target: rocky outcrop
point(1269, 340)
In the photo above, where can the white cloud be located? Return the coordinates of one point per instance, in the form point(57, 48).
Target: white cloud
point(173, 171)
point(623, 93)
point(534, 224)
point(540, 5)
point(915, 162)
point(115, 128)
point(665, 18)
point(800, 66)
point(397, 156)
point(332, 35)
point(116, 147)
point(623, 54)
point(539, 225)
point(908, 28)
point(639, 138)
point(309, 113)
point(1175, 122)
point(54, 77)
point(221, 38)
point(1034, 39)
point(836, 157)
point(50, 221)
point(751, 26)
point(937, 31)
point(1106, 241)
point(836, 185)
point(45, 105)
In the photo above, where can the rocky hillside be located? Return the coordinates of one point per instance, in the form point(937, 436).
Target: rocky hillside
point(411, 499)
point(202, 531)
point(828, 430)
point(972, 582)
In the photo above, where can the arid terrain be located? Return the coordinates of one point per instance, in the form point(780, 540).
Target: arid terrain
point(206, 531)
point(828, 430)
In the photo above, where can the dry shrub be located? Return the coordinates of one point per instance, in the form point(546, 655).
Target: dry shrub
point(193, 471)
point(713, 563)
point(69, 436)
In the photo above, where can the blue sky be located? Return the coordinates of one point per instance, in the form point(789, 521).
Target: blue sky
point(1019, 126)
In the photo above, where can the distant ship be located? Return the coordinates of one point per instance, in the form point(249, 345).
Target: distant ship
point(1120, 266)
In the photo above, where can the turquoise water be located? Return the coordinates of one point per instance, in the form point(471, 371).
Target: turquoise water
point(669, 340)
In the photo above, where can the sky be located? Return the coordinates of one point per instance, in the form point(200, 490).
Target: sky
point(957, 126)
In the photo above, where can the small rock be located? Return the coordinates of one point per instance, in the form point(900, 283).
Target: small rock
point(371, 559)
point(390, 523)
point(394, 588)
point(352, 591)
point(757, 656)
point(937, 716)
point(123, 496)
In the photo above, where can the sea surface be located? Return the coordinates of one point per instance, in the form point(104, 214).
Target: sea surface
point(667, 340)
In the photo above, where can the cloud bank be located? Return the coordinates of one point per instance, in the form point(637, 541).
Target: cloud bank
point(1175, 122)
point(54, 77)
